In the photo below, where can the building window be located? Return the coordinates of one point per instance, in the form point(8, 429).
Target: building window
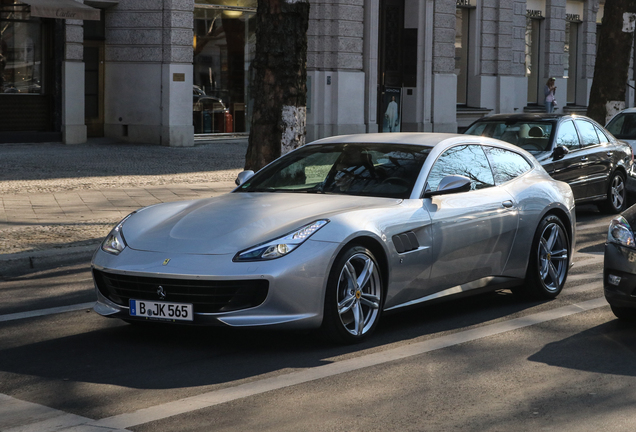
point(224, 46)
point(21, 68)
point(533, 44)
point(461, 52)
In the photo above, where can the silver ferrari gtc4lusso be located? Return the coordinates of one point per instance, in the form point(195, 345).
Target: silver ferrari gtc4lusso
point(339, 231)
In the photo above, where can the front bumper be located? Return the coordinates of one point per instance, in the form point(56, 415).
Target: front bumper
point(620, 262)
point(295, 296)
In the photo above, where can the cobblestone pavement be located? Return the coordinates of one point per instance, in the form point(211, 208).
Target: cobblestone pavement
point(55, 196)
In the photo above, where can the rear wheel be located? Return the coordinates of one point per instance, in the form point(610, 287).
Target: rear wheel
point(616, 200)
point(548, 263)
point(353, 301)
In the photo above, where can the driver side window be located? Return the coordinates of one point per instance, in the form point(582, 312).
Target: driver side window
point(567, 136)
point(464, 160)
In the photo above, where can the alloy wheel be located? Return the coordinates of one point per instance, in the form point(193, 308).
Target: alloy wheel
point(359, 294)
point(553, 257)
point(617, 192)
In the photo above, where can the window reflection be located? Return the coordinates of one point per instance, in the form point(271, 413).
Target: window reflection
point(567, 136)
point(623, 126)
point(224, 45)
point(588, 134)
point(464, 160)
point(20, 50)
point(506, 164)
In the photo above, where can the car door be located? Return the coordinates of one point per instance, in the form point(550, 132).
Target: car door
point(596, 159)
point(569, 168)
point(472, 231)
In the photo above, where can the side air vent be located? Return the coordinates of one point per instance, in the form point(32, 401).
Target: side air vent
point(405, 242)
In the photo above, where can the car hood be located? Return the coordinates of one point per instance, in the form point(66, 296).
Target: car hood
point(230, 223)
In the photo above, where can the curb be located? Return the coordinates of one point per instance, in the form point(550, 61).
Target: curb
point(18, 264)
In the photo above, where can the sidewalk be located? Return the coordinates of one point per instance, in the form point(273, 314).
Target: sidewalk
point(57, 202)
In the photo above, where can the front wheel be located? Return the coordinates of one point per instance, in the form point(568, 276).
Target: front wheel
point(354, 297)
point(616, 200)
point(548, 263)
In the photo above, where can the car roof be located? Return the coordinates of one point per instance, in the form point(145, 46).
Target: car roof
point(414, 138)
point(528, 117)
point(627, 111)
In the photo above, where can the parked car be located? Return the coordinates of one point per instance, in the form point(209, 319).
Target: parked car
point(571, 148)
point(619, 269)
point(333, 234)
point(623, 126)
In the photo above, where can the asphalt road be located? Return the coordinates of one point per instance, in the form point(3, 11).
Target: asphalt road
point(486, 363)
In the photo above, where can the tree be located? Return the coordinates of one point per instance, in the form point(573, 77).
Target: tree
point(279, 83)
point(607, 95)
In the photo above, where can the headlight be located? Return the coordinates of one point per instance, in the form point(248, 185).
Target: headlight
point(114, 242)
point(282, 245)
point(620, 232)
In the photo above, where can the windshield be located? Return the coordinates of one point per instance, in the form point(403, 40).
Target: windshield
point(381, 170)
point(532, 136)
point(623, 126)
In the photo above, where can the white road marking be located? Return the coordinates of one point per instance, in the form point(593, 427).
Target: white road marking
point(584, 276)
point(44, 312)
point(20, 416)
point(593, 226)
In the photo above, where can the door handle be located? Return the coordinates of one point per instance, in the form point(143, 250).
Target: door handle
point(584, 159)
point(507, 204)
point(609, 153)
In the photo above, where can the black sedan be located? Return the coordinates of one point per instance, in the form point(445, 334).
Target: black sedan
point(571, 148)
point(619, 269)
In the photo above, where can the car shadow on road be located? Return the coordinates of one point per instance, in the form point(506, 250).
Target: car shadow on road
point(609, 348)
point(92, 349)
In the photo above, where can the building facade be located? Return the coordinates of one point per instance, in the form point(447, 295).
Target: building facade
point(165, 71)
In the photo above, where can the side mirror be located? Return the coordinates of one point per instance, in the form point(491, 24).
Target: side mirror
point(243, 177)
point(450, 184)
point(559, 152)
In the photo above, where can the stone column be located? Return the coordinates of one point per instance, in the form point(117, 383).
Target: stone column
point(335, 68)
point(444, 105)
point(148, 72)
point(554, 50)
point(73, 121)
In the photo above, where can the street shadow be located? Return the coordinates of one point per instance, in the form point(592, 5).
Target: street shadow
point(161, 356)
point(609, 348)
point(107, 159)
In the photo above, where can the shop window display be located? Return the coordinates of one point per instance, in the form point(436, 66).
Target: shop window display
point(224, 46)
point(20, 50)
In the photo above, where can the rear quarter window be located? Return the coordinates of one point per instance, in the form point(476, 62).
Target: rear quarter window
point(506, 165)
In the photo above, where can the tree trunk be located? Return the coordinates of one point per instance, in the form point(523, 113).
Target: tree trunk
point(607, 95)
point(279, 82)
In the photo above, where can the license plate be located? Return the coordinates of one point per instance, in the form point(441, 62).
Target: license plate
point(161, 310)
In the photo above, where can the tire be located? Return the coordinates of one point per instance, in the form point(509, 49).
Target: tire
point(548, 262)
point(351, 311)
point(624, 314)
point(616, 194)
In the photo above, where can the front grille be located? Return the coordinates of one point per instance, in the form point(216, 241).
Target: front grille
point(206, 296)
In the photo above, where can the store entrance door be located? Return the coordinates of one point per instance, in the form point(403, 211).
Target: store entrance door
point(94, 88)
point(391, 65)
